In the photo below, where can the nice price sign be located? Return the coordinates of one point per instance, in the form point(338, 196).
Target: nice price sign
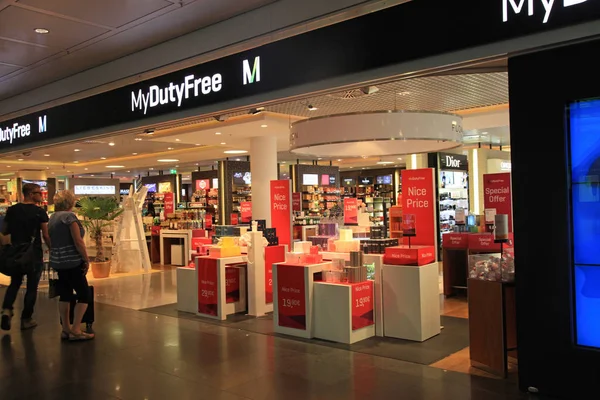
point(497, 194)
point(418, 199)
point(281, 210)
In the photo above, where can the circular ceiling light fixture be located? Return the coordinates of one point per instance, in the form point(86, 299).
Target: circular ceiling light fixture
point(380, 133)
point(235, 152)
point(168, 160)
point(41, 31)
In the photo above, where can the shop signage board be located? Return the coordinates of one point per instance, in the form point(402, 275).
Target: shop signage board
point(246, 211)
point(232, 284)
point(362, 305)
point(169, 200)
point(296, 202)
point(418, 199)
point(235, 219)
point(350, 211)
point(451, 161)
point(291, 299)
point(273, 254)
point(281, 210)
point(203, 184)
point(208, 297)
point(497, 194)
point(282, 64)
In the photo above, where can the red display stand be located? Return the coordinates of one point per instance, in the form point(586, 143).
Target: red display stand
point(221, 286)
point(273, 255)
point(455, 256)
point(409, 255)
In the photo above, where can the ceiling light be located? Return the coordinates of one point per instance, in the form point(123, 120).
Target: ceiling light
point(111, 144)
point(405, 93)
point(20, 159)
point(151, 169)
point(138, 139)
point(171, 148)
point(149, 131)
point(115, 166)
point(75, 162)
point(197, 164)
point(178, 140)
point(312, 108)
point(198, 144)
point(235, 152)
point(46, 155)
point(484, 133)
point(168, 160)
point(399, 158)
point(8, 166)
point(134, 154)
point(385, 162)
point(223, 143)
point(127, 171)
point(77, 150)
point(4, 179)
point(86, 169)
point(256, 110)
point(264, 126)
point(319, 158)
point(90, 175)
point(237, 159)
point(339, 159)
point(42, 31)
point(217, 133)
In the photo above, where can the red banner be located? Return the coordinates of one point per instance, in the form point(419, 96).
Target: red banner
point(296, 202)
point(350, 211)
point(208, 297)
point(281, 210)
point(235, 218)
point(362, 305)
point(208, 221)
point(291, 300)
point(169, 201)
point(232, 284)
point(203, 184)
point(418, 199)
point(246, 211)
point(273, 254)
point(497, 194)
point(415, 255)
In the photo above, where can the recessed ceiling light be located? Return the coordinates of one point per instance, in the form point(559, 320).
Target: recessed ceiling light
point(198, 144)
point(8, 166)
point(20, 159)
point(135, 154)
point(41, 31)
point(77, 150)
point(128, 171)
point(399, 158)
point(103, 158)
point(484, 133)
point(86, 169)
point(264, 126)
point(90, 175)
point(177, 166)
point(223, 143)
point(137, 139)
point(178, 140)
point(235, 152)
point(151, 169)
point(217, 133)
point(197, 164)
point(111, 144)
point(319, 158)
point(385, 162)
point(312, 108)
point(75, 162)
point(115, 166)
point(168, 160)
point(170, 148)
point(46, 155)
point(405, 93)
point(339, 159)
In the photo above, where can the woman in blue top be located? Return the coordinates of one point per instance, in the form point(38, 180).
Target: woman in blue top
point(69, 258)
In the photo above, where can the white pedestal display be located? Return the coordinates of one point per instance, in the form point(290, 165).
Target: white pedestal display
point(333, 311)
point(213, 285)
point(411, 301)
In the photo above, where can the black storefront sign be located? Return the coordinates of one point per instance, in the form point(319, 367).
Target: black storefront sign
point(457, 162)
point(430, 27)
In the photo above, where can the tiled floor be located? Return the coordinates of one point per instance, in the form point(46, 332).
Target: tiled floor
point(138, 355)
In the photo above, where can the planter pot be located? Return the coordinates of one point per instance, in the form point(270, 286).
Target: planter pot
point(100, 269)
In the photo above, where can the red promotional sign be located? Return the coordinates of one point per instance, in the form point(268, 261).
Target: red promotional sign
point(208, 221)
point(273, 254)
point(484, 242)
point(246, 211)
point(208, 298)
point(203, 184)
point(291, 300)
point(455, 241)
point(169, 200)
point(414, 255)
point(281, 210)
point(418, 199)
point(296, 202)
point(232, 284)
point(234, 219)
point(497, 194)
point(350, 211)
point(362, 305)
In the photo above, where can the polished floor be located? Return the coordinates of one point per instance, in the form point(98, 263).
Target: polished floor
point(139, 355)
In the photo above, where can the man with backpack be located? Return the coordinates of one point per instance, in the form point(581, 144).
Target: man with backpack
point(25, 222)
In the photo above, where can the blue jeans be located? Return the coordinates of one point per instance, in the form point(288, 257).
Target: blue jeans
point(33, 280)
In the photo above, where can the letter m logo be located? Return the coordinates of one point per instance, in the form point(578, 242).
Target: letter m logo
point(516, 7)
point(252, 75)
point(42, 124)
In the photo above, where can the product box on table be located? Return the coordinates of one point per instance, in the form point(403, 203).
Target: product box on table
point(413, 255)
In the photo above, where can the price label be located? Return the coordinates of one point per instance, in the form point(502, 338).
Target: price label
point(273, 254)
point(232, 284)
point(207, 293)
point(291, 300)
point(291, 303)
point(362, 310)
point(207, 287)
point(363, 302)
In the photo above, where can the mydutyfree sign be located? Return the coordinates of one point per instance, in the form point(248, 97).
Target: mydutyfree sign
point(545, 6)
point(190, 87)
point(17, 130)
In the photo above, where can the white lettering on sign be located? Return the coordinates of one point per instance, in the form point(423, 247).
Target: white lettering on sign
point(416, 202)
point(452, 162)
point(280, 202)
point(11, 133)
point(506, 165)
point(548, 5)
point(190, 87)
point(251, 75)
point(42, 124)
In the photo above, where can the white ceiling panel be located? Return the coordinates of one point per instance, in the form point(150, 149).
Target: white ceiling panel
point(17, 53)
point(112, 13)
point(19, 24)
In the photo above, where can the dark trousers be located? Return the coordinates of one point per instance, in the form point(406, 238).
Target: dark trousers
point(33, 280)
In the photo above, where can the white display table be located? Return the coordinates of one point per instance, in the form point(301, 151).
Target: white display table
point(187, 290)
point(221, 286)
point(293, 298)
point(377, 260)
point(185, 235)
point(411, 301)
point(343, 313)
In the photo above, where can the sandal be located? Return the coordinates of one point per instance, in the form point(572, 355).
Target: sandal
point(78, 337)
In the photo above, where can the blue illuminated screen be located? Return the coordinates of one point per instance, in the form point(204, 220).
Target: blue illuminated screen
point(585, 194)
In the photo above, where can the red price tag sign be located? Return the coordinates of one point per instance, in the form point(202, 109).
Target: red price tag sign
point(362, 305)
point(208, 298)
point(273, 254)
point(291, 300)
point(232, 284)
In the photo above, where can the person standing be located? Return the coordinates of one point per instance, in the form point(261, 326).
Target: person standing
point(69, 258)
point(22, 222)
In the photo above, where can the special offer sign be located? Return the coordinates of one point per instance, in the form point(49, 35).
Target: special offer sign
point(350, 211)
point(169, 200)
point(281, 210)
point(296, 202)
point(497, 194)
point(418, 199)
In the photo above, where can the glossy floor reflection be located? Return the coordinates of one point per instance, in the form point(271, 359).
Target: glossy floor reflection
point(138, 355)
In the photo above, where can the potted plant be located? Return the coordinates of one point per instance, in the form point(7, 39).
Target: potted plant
point(98, 213)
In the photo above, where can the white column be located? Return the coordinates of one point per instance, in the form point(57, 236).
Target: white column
point(263, 165)
point(416, 161)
